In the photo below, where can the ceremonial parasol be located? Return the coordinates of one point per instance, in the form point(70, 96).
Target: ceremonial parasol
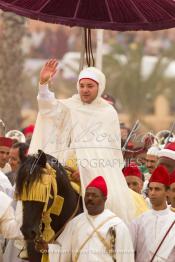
point(120, 15)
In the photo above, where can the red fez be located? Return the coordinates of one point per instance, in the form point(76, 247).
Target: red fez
point(29, 129)
point(168, 151)
point(6, 141)
point(99, 183)
point(160, 175)
point(132, 171)
point(130, 145)
point(172, 177)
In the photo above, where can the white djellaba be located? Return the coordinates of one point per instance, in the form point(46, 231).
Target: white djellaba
point(91, 132)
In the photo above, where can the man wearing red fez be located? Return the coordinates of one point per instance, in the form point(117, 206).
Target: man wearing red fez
point(28, 131)
point(153, 232)
point(167, 157)
point(5, 185)
point(133, 178)
point(17, 155)
point(5, 145)
point(172, 191)
point(95, 235)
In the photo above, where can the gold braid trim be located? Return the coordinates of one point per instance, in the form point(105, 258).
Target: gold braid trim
point(41, 191)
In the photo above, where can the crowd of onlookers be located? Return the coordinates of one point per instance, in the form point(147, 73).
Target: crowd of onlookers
point(149, 171)
point(64, 39)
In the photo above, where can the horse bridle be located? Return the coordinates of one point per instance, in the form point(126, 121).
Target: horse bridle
point(40, 235)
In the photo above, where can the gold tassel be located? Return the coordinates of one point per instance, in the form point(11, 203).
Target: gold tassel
point(40, 191)
point(48, 232)
point(57, 205)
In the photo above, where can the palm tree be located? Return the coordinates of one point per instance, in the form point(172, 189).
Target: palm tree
point(11, 69)
point(126, 82)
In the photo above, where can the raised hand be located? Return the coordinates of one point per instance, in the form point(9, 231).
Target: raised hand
point(48, 71)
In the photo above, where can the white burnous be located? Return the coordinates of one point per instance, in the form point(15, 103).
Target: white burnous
point(84, 126)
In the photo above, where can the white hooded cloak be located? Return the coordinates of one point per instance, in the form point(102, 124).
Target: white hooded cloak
point(92, 133)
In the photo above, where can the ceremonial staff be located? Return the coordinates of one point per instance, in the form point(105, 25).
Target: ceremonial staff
point(133, 130)
point(170, 134)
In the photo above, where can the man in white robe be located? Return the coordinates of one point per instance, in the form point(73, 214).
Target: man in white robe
point(5, 145)
point(95, 235)
point(9, 227)
point(152, 227)
point(172, 191)
point(5, 185)
point(84, 126)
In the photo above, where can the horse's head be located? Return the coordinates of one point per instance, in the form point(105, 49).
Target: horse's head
point(37, 188)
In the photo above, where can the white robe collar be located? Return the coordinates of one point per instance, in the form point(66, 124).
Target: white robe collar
point(160, 212)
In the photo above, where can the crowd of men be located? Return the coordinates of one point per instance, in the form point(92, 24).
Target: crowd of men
point(149, 237)
point(128, 207)
point(13, 153)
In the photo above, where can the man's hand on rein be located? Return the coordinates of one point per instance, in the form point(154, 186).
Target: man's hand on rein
point(75, 176)
point(41, 246)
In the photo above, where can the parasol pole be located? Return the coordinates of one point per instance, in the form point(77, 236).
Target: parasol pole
point(82, 51)
point(99, 50)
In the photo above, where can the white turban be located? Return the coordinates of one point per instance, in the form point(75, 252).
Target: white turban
point(94, 74)
point(153, 151)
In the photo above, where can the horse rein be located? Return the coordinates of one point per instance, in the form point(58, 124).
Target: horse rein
point(40, 235)
point(70, 218)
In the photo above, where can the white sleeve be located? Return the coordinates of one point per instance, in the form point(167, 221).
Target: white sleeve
point(134, 227)
point(45, 93)
point(50, 128)
point(48, 105)
point(123, 244)
point(9, 227)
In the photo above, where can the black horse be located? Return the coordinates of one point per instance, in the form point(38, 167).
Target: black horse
point(30, 172)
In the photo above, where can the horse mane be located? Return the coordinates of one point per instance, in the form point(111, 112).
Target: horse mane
point(31, 171)
point(28, 173)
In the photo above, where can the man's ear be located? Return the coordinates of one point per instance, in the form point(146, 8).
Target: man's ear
point(105, 198)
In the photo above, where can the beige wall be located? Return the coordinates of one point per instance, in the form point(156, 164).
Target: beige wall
point(160, 120)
